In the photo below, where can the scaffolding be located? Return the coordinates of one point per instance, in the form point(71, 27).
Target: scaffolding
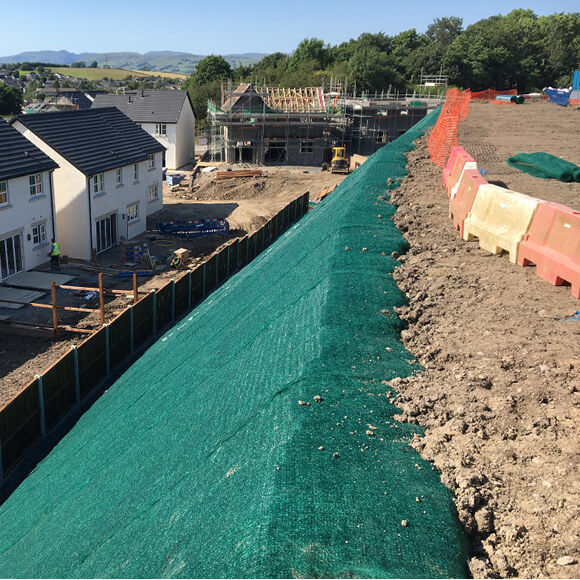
point(299, 126)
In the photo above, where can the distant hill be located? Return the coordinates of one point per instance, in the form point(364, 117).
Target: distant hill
point(163, 60)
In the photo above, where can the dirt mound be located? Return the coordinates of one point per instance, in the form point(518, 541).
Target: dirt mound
point(500, 395)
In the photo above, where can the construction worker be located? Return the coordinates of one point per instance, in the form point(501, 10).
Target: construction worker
point(54, 255)
point(176, 263)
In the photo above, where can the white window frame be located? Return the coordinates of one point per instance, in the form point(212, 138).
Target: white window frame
point(151, 160)
point(307, 147)
point(35, 184)
point(98, 183)
point(161, 129)
point(136, 173)
point(119, 176)
point(154, 192)
point(133, 213)
point(39, 234)
point(4, 199)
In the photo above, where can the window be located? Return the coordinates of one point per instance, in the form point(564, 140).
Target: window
point(119, 176)
point(39, 234)
point(382, 137)
point(3, 192)
point(153, 192)
point(132, 212)
point(306, 147)
point(161, 129)
point(136, 172)
point(98, 183)
point(35, 184)
point(151, 158)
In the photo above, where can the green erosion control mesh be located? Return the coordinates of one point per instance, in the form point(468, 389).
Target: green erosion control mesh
point(545, 166)
point(201, 462)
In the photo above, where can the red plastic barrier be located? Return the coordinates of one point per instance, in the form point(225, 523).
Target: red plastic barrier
point(553, 245)
point(460, 204)
point(458, 161)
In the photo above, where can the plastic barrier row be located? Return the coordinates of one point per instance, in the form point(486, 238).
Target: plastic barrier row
point(66, 389)
point(443, 137)
point(531, 230)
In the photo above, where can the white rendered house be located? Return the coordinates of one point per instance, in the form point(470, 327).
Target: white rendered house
point(166, 115)
point(109, 177)
point(26, 203)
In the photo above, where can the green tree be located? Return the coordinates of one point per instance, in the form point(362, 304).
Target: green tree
point(501, 52)
point(308, 50)
point(560, 35)
point(373, 70)
point(10, 100)
point(209, 69)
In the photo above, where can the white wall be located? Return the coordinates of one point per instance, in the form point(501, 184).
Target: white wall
point(22, 213)
point(185, 136)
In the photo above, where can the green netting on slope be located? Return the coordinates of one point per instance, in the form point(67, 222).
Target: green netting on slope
point(200, 462)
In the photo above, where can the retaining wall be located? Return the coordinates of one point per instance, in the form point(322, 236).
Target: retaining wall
point(32, 422)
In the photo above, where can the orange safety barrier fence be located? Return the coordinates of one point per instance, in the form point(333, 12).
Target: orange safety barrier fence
point(444, 134)
point(491, 94)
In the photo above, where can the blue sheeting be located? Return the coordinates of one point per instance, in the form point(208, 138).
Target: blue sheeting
point(558, 96)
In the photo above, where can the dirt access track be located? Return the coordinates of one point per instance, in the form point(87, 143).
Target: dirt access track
point(498, 392)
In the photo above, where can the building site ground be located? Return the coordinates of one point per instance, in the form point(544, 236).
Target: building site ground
point(498, 392)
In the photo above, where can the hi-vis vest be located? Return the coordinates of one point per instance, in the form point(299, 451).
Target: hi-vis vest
point(55, 249)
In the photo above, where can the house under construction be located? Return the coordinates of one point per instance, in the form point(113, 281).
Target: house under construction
point(277, 126)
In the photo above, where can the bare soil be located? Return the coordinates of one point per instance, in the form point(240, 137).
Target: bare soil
point(499, 389)
point(500, 392)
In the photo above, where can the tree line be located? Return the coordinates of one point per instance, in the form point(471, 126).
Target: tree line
point(519, 50)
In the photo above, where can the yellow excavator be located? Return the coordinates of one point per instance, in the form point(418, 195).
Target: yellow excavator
point(340, 162)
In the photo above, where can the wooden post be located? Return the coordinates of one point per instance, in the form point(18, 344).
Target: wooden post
point(54, 311)
point(101, 298)
point(135, 290)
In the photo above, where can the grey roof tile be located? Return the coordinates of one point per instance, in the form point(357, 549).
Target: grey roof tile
point(18, 156)
point(93, 140)
point(147, 106)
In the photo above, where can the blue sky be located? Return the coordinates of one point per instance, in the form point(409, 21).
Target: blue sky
point(228, 26)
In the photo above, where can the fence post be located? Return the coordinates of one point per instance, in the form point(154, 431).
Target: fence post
point(132, 333)
point(54, 311)
point(203, 278)
point(101, 299)
point(189, 290)
point(107, 349)
point(173, 300)
point(228, 263)
point(77, 377)
point(154, 313)
point(217, 269)
point(1, 467)
point(135, 289)
point(41, 407)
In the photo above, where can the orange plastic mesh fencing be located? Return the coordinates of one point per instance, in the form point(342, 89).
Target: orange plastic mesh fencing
point(491, 94)
point(444, 135)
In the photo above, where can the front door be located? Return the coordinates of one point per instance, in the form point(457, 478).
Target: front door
point(10, 256)
point(106, 233)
